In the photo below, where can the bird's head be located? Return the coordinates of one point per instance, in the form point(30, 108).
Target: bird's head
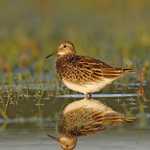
point(66, 142)
point(63, 49)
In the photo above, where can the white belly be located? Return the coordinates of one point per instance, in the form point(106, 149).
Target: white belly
point(89, 87)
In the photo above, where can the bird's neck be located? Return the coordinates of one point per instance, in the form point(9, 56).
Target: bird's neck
point(67, 55)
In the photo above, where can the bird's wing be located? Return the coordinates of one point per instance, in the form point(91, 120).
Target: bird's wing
point(86, 117)
point(90, 69)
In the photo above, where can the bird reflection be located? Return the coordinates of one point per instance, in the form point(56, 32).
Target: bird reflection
point(84, 117)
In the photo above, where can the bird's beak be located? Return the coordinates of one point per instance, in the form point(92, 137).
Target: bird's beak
point(53, 137)
point(50, 55)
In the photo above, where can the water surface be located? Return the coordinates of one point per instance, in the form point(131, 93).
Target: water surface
point(26, 118)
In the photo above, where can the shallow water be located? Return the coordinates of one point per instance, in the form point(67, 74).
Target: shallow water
point(29, 118)
point(110, 140)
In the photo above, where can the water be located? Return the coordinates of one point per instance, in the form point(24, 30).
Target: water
point(126, 139)
point(27, 117)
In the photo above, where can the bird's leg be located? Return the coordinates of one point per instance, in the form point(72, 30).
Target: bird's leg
point(88, 95)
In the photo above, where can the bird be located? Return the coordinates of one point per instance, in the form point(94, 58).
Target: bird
point(84, 74)
point(85, 117)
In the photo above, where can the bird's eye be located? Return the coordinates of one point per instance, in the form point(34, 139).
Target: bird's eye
point(65, 46)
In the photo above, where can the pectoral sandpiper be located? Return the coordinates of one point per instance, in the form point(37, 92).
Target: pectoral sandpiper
point(84, 117)
point(84, 74)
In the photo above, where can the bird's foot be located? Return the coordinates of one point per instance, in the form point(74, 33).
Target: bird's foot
point(88, 96)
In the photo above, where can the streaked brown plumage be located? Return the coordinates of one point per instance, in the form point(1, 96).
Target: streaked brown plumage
point(86, 117)
point(84, 74)
point(80, 69)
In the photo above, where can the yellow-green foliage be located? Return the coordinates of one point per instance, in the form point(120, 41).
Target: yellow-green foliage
point(115, 31)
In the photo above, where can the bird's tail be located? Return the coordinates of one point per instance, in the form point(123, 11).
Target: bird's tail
point(130, 119)
point(128, 70)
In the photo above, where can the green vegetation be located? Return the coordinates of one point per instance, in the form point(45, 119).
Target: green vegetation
point(115, 31)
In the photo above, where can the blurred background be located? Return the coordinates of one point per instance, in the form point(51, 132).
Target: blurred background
point(117, 32)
